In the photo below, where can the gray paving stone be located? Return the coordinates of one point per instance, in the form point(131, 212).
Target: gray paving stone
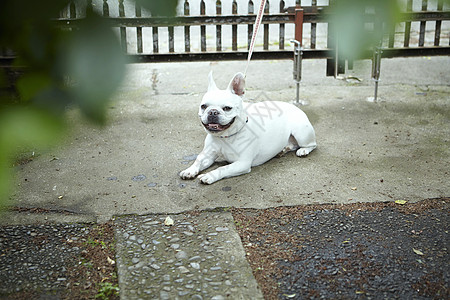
point(207, 263)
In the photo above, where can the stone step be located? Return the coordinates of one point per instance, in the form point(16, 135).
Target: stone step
point(200, 256)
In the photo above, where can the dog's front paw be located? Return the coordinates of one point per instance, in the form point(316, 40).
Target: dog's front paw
point(189, 173)
point(207, 178)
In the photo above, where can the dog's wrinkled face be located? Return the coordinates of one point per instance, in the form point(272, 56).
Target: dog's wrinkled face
point(221, 111)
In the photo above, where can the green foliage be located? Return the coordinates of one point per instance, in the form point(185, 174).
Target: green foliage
point(107, 290)
point(59, 68)
point(359, 25)
point(23, 127)
point(96, 243)
point(165, 8)
point(95, 63)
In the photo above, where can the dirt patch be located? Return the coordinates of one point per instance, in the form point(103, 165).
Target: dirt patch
point(380, 250)
point(96, 275)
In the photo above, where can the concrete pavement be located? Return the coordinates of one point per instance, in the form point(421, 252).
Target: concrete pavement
point(394, 149)
point(367, 152)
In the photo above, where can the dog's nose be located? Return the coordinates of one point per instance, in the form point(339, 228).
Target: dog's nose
point(213, 112)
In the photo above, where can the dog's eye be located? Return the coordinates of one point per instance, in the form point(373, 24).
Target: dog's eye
point(204, 106)
point(227, 108)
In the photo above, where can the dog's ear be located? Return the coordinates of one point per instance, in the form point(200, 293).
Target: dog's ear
point(237, 84)
point(211, 85)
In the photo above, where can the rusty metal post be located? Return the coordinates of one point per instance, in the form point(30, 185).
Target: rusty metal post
point(298, 52)
point(299, 25)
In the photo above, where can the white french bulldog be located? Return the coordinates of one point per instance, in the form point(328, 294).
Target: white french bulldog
point(246, 134)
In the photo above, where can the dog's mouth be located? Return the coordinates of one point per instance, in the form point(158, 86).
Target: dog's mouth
point(214, 127)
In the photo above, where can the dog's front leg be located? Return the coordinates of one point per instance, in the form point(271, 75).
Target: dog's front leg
point(233, 169)
point(204, 160)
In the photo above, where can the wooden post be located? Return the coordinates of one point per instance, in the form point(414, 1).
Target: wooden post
point(72, 10)
point(187, 33)
point(313, 26)
point(266, 27)
point(171, 40)
point(105, 8)
point(138, 29)
point(331, 44)
point(234, 27)
point(251, 11)
point(155, 39)
point(89, 8)
point(282, 30)
point(407, 25)
point(391, 29)
point(218, 27)
point(202, 27)
point(123, 30)
point(423, 25)
point(437, 30)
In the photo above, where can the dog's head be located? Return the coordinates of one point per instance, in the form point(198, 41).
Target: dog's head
point(221, 111)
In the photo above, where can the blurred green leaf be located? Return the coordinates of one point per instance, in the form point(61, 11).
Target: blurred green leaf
point(96, 64)
point(166, 8)
point(82, 66)
point(16, 15)
point(5, 179)
point(359, 25)
point(26, 127)
point(31, 84)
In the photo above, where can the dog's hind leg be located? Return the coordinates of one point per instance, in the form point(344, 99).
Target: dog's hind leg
point(291, 146)
point(306, 139)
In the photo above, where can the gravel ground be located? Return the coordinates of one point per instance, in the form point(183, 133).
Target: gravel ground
point(368, 251)
point(354, 251)
point(57, 261)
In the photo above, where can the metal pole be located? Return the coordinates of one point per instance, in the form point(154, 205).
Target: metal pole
point(297, 68)
point(376, 69)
